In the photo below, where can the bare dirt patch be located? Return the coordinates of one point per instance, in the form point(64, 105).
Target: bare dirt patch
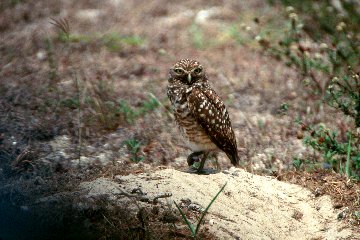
point(251, 207)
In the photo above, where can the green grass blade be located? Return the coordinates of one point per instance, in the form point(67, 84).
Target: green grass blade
point(207, 208)
point(190, 225)
point(348, 159)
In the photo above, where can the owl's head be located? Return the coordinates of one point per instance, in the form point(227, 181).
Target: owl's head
point(187, 71)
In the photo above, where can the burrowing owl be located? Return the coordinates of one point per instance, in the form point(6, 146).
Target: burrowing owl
point(199, 112)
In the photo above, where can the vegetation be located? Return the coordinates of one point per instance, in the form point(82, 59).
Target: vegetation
point(195, 229)
point(324, 49)
point(134, 147)
point(114, 42)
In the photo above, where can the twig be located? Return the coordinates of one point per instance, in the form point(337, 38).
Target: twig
point(107, 220)
point(143, 198)
point(164, 195)
point(168, 113)
point(77, 86)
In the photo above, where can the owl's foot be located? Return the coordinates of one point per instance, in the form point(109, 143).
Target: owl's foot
point(192, 169)
point(204, 171)
point(202, 163)
point(197, 166)
point(193, 157)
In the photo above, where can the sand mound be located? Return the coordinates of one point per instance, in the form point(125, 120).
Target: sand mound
point(250, 207)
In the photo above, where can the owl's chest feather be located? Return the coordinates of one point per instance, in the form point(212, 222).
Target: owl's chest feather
point(197, 138)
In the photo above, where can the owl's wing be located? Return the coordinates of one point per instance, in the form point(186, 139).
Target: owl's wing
point(211, 113)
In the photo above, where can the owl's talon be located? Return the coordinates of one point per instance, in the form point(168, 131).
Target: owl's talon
point(193, 157)
point(192, 170)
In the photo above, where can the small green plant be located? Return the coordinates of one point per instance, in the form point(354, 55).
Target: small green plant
point(134, 147)
point(53, 68)
point(306, 164)
point(131, 113)
point(127, 111)
point(197, 36)
point(344, 94)
point(114, 41)
point(297, 162)
point(356, 215)
point(334, 150)
point(195, 229)
point(283, 109)
point(64, 30)
point(73, 38)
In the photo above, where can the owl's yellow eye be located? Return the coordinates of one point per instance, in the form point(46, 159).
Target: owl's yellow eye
point(197, 70)
point(178, 71)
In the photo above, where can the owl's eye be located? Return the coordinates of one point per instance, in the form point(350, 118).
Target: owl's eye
point(178, 70)
point(197, 70)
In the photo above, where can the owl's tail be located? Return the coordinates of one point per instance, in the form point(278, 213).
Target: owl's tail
point(234, 158)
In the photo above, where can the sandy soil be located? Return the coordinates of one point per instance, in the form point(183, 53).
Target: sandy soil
point(250, 207)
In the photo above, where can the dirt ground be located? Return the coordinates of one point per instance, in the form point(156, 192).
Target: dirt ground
point(251, 207)
point(77, 114)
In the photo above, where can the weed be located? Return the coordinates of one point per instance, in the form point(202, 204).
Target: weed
point(64, 30)
point(73, 38)
point(334, 150)
point(324, 64)
point(348, 158)
point(297, 162)
point(344, 94)
point(134, 147)
point(70, 102)
point(283, 109)
point(307, 164)
point(235, 34)
point(114, 41)
point(128, 112)
point(51, 60)
point(195, 229)
point(197, 36)
point(131, 113)
point(101, 105)
point(319, 62)
point(356, 215)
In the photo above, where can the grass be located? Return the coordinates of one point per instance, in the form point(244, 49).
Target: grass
point(194, 229)
point(100, 100)
point(327, 142)
point(197, 36)
point(131, 113)
point(113, 41)
point(326, 74)
point(134, 147)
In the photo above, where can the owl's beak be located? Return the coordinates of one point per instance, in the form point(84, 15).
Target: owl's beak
point(189, 77)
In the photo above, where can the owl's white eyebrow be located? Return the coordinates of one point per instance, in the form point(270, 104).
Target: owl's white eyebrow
point(179, 68)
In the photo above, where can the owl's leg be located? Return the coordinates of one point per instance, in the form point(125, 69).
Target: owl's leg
point(215, 161)
point(192, 157)
point(202, 163)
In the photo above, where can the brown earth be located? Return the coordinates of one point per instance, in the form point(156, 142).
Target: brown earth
point(251, 206)
point(59, 96)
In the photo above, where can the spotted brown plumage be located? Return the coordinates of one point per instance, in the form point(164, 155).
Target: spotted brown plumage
point(199, 112)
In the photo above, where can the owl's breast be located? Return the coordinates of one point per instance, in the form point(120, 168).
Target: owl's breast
point(196, 137)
